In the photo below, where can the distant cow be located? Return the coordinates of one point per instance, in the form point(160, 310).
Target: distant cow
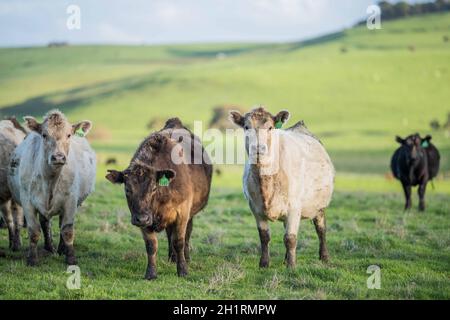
point(51, 173)
point(111, 161)
point(11, 135)
point(414, 163)
point(288, 176)
point(162, 194)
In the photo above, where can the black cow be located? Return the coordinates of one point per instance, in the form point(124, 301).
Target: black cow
point(415, 163)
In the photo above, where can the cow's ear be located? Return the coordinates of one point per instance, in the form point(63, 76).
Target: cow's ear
point(115, 176)
point(156, 141)
point(164, 177)
point(281, 116)
point(82, 128)
point(399, 140)
point(32, 124)
point(237, 118)
point(428, 138)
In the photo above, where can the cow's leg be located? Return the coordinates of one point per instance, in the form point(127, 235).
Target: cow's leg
point(47, 231)
point(9, 221)
point(264, 237)
point(421, 191)
point(171, 253)
point(18, 218)
point(67, 231)
point(178, 239)
point(151, 245)
point(407, 191)
point(187, 244)
point(34, 233)
point(61, 246)
point(290, 237)
point(321, 229)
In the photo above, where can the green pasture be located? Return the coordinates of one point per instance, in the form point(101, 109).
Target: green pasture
point(355, 90)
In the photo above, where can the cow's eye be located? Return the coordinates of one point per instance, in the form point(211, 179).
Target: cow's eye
point(69, 135)
point(44, 136)
point(246, 128)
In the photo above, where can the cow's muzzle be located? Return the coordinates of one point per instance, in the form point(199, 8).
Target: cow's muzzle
point(142, 220)
point(259, 149)
point(58, 159)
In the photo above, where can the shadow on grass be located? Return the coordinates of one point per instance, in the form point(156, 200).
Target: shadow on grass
point(68, 100)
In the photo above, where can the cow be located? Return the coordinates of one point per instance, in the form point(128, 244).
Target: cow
point(288, 176)
point(50, 174)
point(414, 163)
point(165, 194)
point(11, 135)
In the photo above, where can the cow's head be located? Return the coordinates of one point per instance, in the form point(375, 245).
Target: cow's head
point(414, 146)
point(56, 133)
point(147, 185)
point(259, 126)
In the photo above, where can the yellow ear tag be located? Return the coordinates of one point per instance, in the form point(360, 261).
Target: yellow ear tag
point(79, 132)
point(278, 124)
point(163, 181)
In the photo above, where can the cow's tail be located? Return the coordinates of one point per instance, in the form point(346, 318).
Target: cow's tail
point(432, 184)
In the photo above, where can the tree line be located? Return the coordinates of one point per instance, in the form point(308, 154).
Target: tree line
point(403, 9)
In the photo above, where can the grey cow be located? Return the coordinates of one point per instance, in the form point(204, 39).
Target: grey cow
point(11, 135)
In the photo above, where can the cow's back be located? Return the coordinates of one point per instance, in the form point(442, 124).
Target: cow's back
point(309, 170)
point(200, 175)
point(303, 180)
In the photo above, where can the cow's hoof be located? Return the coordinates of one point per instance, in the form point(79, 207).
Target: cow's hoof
point(61, 249)
point(289, 264)
point(16, 244)
point(50, 248)
point(32, 262)
point(150, 275)
point(182, 273)
point(325, 258)
point(263, 264)
point(2, 254)
point(71, 260)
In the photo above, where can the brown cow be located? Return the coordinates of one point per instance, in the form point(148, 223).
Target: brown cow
point(162, 194)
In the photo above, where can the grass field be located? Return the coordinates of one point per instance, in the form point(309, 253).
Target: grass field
point(355, 90)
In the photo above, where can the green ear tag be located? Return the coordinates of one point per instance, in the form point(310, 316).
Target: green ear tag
point(79, 132)
point(425, 144)
point(163, 181)
point(278, 124)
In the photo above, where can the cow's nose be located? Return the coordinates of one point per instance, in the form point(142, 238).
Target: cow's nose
point(140, 220)
point(262, 149)
point(58, 158)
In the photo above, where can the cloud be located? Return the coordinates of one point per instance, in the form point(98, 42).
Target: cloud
point(113, 34)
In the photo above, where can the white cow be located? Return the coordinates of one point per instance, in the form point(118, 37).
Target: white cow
point(51, 173)
point(288, 176)
point(11, 135)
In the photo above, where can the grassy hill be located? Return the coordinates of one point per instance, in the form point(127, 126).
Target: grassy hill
point(355, 89)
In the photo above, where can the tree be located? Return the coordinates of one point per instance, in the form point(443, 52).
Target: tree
point(401, 9)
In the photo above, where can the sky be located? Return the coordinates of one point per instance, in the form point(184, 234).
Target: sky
point(38, 22)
